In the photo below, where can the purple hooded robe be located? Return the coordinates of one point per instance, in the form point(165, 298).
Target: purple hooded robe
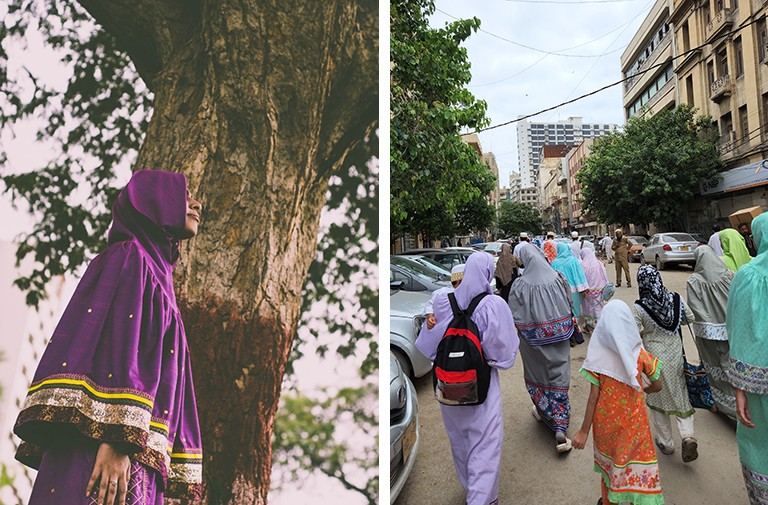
point(117, 368)
point(477, 432)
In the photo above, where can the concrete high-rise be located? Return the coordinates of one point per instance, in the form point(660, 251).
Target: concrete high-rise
point(532, 136)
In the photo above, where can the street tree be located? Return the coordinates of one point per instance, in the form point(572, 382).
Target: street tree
point(516, 217)
point(431, 167)
point(260, 104)
point(648, 172)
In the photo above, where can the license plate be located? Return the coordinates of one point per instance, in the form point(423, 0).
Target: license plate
point(409, 438)
point(685, 248)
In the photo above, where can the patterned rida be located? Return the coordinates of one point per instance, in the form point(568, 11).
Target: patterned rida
point(750, 378)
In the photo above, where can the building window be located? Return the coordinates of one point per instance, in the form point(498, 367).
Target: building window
point(710, 74)
point(734, 5)
point(761, 38)
point(718, 6)
point(722, 62)
point(686, 37)
point(726, 127)
point(744, 124)
point(707, 13)
point(765, 111)
point(737, 48)
point(689, 89)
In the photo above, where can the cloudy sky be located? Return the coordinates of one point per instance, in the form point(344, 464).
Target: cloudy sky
point(516, 80)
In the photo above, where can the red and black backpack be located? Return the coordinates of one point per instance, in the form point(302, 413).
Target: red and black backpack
point(461, 375)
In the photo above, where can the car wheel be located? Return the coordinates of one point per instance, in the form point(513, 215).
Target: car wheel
point(405, 363)
point(659, 264)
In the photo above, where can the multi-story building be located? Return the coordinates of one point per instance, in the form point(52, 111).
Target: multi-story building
point(25, 334)
point(530, 196)
point(553, 194)
point(647, 64)
point(514, 186)
point(490, 159)
point(532, 136)
point(723, 71)
point(579, 220)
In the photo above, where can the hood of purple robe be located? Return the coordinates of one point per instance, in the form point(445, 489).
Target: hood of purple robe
point(117, 367)
point(152, 209)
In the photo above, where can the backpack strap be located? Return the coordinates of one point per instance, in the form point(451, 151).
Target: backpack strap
point(474, 303)
point(454, 305)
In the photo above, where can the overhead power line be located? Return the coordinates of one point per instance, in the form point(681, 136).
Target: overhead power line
point(563, 2)
point(544, 51)
point(608, 86)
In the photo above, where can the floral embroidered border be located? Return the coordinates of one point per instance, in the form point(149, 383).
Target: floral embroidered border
point(119, 415)
point(710, 331)
point(547, 332)
point(757, 485)
point(750, 378)
point(552, 404)
point(636, 482)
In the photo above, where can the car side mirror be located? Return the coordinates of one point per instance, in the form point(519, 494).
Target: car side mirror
point(397, 285)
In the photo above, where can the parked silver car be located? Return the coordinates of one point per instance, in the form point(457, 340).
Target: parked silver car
point(439, 269)
point(415, 276)
point(403, 427)
point(406, 315)
point(670, 248)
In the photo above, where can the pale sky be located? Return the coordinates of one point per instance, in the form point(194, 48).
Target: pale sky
point(518, 81)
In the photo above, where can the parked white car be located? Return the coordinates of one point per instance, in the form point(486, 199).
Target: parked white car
point(406, 315)
point(403, 427)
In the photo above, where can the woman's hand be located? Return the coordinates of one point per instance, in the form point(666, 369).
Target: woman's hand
point(742, 409)
point(580, 439)
point(112, 471)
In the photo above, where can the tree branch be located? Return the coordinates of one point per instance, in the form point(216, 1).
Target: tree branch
point(149, 31)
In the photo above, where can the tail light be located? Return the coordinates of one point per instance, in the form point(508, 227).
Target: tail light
point(667, 247)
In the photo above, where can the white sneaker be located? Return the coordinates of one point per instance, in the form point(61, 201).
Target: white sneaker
point(563, 446)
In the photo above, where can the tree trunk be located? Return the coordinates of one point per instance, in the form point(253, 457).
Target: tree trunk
point(258, 103)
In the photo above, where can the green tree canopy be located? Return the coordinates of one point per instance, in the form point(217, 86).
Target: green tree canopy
point(515, 217)
point(433, 172)
point(647, 173)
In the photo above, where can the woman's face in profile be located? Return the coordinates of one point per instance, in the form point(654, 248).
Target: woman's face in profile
point(193, 216)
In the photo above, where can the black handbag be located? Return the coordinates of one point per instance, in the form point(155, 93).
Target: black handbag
point(696, 380)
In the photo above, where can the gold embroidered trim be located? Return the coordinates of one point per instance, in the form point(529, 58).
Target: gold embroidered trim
point(101, 412)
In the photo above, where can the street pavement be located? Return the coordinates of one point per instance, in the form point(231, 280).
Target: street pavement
point(532, 473)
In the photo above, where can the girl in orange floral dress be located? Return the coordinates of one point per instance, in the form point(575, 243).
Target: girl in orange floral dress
point(616, 365)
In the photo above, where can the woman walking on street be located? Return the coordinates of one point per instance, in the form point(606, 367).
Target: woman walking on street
point(570, 266)
point(617, 366)
point(708, 298)
point(476, 432)
point(659, 314)
point(747, 323)
point(539, 300)
point(506, 271)
point(597, 279)
point(735, 253)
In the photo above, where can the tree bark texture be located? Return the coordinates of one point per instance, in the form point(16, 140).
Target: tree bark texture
point(258, 102)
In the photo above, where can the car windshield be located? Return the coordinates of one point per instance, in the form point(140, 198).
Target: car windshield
point(638, 240)
point(678, 237)
point(433, 265)
point(417, 268)
point(494, 246)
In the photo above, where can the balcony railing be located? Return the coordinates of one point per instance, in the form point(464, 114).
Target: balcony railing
point(721, 21)
point(721, 88)
point(661, 46)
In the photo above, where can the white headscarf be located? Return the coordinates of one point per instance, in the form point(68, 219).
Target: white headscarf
point(615, 345)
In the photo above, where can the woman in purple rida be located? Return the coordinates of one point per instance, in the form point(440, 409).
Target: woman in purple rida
point(110, 416)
